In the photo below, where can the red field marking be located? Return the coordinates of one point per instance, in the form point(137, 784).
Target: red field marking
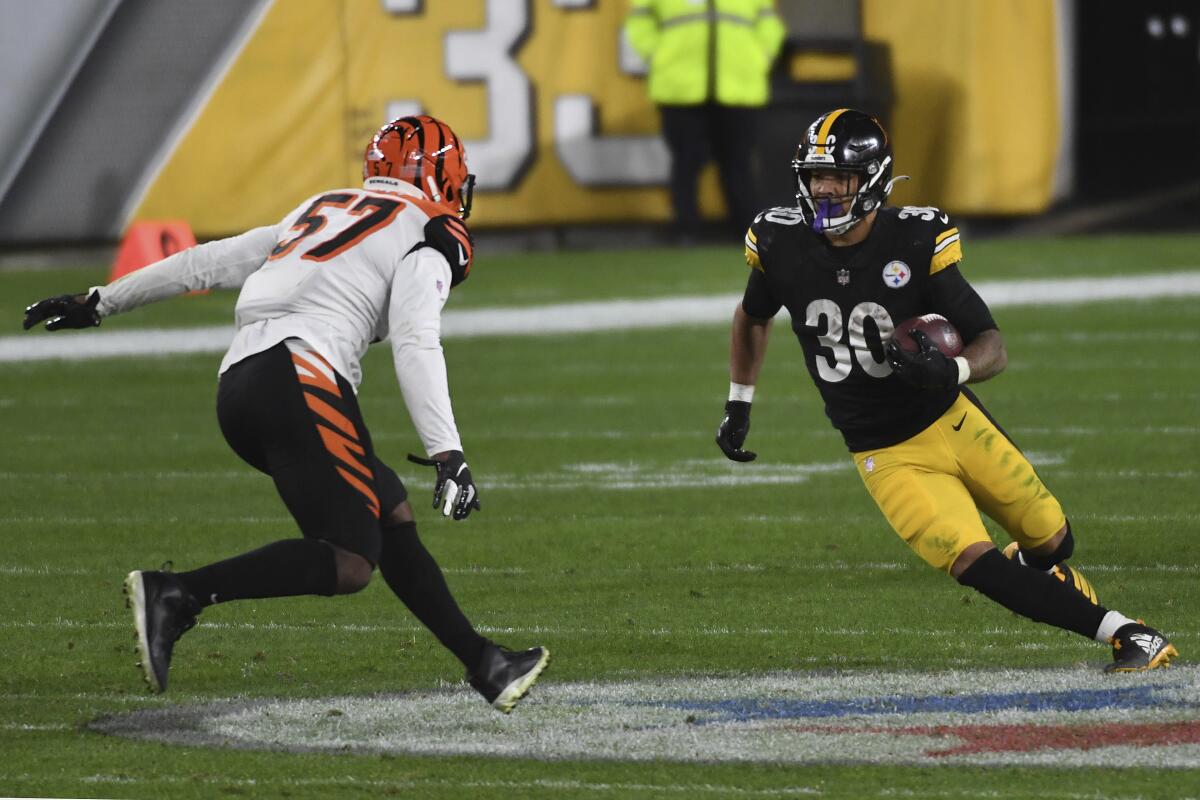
point(1028, 738)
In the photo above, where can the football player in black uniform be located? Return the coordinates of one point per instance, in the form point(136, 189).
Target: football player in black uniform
point(848, 269)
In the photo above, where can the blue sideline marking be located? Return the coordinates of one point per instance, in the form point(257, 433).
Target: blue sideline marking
point(748, 709)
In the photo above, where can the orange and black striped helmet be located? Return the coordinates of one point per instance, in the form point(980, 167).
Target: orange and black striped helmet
point(424, 151)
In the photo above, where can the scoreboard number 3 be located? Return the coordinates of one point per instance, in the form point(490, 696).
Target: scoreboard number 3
point(503, 159)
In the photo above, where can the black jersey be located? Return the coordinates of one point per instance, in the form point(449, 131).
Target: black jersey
point(845, 302)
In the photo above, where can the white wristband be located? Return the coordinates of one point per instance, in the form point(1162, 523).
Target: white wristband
point(964, 369)
point(741, 392)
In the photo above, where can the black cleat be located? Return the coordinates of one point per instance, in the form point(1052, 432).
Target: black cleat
point(503, 677)
point(163, 610)
point(1138, 647)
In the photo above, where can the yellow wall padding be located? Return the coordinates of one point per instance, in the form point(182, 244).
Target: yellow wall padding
point(818, 66)
point(294, 112)
point(272, 133)
point(975, 121)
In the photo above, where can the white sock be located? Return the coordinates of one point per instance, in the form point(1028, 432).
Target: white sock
point(1109, 626)
point(1024, 563)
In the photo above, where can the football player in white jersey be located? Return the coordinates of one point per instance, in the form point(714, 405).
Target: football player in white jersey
point(346, 268)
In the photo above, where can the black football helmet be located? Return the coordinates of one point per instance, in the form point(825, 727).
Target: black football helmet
point(850, 141)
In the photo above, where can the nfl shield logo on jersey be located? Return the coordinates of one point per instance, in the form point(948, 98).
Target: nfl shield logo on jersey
point(843, 277)
point(896, 274)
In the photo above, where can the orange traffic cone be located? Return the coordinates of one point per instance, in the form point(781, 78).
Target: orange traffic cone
point(148, 241)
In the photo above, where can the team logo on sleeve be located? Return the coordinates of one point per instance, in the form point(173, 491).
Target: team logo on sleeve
point(896, 274)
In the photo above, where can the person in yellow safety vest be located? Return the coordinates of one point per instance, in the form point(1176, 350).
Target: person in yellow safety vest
point(709, 61)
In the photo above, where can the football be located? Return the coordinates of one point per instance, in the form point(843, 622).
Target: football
point(939, 330)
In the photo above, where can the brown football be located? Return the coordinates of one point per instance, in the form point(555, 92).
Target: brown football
point(939, 330)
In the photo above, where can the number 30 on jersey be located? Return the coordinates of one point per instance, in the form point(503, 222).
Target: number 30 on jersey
point(837, 364)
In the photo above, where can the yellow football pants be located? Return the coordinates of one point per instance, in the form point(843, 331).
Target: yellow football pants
point(932, 487)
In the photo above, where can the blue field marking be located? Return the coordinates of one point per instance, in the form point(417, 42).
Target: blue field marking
point(749, 709)
point(1080, 719)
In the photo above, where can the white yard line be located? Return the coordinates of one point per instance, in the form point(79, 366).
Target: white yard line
point(28, 728)
point(606, 315)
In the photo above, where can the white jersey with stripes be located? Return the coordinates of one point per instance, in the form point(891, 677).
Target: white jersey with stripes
point(337, 273)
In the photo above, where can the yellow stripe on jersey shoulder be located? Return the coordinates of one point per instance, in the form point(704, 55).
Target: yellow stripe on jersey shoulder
point(947, 250)
point(753, 261)
point(944, 235)
point(752, 258)
point(952, 254)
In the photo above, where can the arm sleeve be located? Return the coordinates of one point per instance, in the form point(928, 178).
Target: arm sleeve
point(641, 27)
point(759, 301)
point(951, 296)
point(223, 264)
point(419, 290)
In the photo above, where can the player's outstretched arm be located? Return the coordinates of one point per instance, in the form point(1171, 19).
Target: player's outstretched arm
point(223, 264)
point(64, 311)
point(747, 349)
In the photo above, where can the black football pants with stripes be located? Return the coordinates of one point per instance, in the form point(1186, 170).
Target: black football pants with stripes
point(290, 415)
point(310, 438)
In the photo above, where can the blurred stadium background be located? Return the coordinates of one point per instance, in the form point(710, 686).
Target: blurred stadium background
point(222, 113)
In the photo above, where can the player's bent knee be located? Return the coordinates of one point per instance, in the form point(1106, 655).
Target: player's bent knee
point(1066, 545)
point(353, 571)
point(949, 550)
point(967, 557)
point(1057, 550)
point(399, 515)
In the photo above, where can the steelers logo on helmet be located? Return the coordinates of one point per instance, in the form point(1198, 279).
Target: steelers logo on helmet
point(850, 142)
point(423, 151)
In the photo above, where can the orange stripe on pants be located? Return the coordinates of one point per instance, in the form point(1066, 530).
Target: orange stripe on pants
point(372, 500)
point(344, 450)
point(318, 378)
point(331, 415)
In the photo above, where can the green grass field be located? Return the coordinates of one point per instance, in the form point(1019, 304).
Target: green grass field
point(612, 531)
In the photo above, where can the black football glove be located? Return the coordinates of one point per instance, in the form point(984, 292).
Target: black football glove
point(731, 434)
point(927, 368)
point(454, 490)
point(450, 236)
point(64, 311)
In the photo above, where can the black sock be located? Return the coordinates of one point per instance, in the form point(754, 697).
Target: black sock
point(1040, 563)
point(281, 569)
point(1061, 553)
point(1033, 594)
point(417, 580)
